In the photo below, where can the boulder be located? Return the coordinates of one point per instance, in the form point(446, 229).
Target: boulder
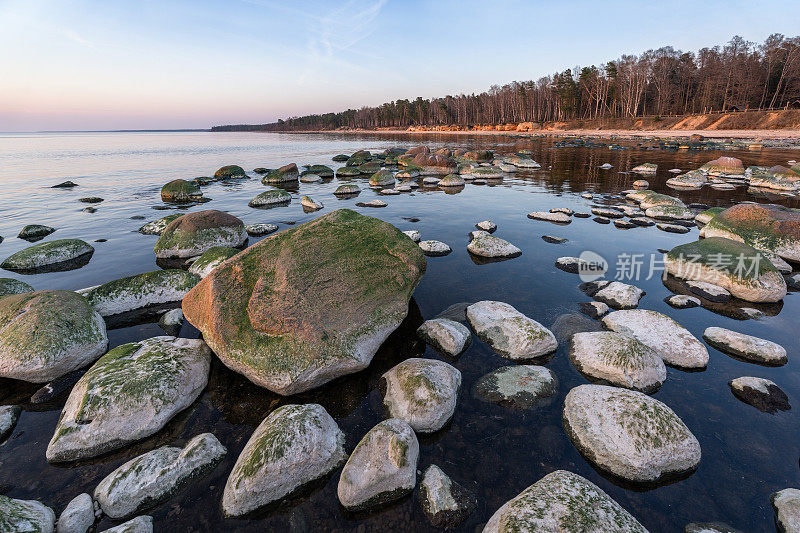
point(521, 160)
point(670, 340)
point(9, 414)
point(382, 468)
point(647, 199)
point(130, 393)
point(616, 359)
point(340, 158)
point(13, 286)
point(786, 505)
point(140, 291)
point(682, 301)
point(641, 184)
point(157, 227)
point(422, 392)
point(286, 173)
point(348, 189)
point(171, 322)
point(260, 318)
point(259, 230)
point(309, 203)
point(64, 185)
point(78, 516)
point(747, 347)
point(629, 434)
point(25, 515)
point(559, 502)
point(724, 166)
point(434, 164)
point(692, 180)
point(445, 503)
point(510, 333)
point(447, 336)
point(606, 212)
point(382, 178)
point(46, 334)
point(619, 295)
point(487, 225)
point(556, 218)
point(194, 233)
point(672, 228)
point(51, 256)
point(156, 476)
point(480, 156)
point(309, 178)
point(594, 309)
point(734, 266)
point(451, 180)
point(211, 259)
point(669, 212)
point(271, 198)
point(181, 191)
point(483, 244)
point(645, 168)
point(229, 172)
point(414, 235)
point(35, 232)
point(434, 248)
point(709, 527)
point(517, 386)
point(140, 524)
point(323, 171)
point(708, 291)
point(761, 393)
point(372, 203)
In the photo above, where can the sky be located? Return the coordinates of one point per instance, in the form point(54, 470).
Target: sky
point(161, 64)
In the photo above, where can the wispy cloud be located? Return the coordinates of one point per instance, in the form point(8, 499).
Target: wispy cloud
point(75, 37)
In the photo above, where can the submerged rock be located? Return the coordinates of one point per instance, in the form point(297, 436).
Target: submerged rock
point(140, 524)
point(156, 476)
point(51, 256)
point(619, 295)
point(617, 359)
point(422, 392)
point(562, 501)
point(517, 386)
point(747, 347)
point(672, 228)
point(46, 334)
point(181, 191)
point(382, 468)
point(446, 336)
point(140, 291)
point(13, 286)
point(670, 340)
point(35, 232)
point(270, 198)
point(171, 322)
point(25, 515)
point(211, 259)
point(434, 248)
point(628, 433)
point(194, 233)
point(553, 240)
point(294, 446)
point(260, 318)
point(708, 291)
point(594, 309)
point(78, 516)
point(64, 185)
point(510, 333)
point(445, 503)
point(761, 393)
point(130, 393)
point(157, 227)
point(8, 419)
point(229, 172)
point(484, 244)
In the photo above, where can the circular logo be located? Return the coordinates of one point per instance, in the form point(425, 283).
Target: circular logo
point(591, 266)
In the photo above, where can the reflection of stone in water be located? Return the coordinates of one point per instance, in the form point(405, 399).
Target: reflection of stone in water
point(568, 324)
point(733, 308)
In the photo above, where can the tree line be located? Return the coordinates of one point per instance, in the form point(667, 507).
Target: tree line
point(740, 75)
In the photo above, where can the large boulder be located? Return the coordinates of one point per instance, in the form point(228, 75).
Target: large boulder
point(773, 228)
point(747, 347)
point(194, 233)
point(46, 334)
point(140, 291)
point(737, 267)
point(629, 434)
point(156, 476)
point(130, 393)
point(294, 446)
point(51, 256)
point(423, 392)
point(180, 191)
point(509, 332)
point(25, 515)
point(230, 172)
point(560, 502)
point(724, 166)
point(446, 336)
point(786, 504)
point(266, 312)
point(13, 286)
point(286, 173)
point(382, 468)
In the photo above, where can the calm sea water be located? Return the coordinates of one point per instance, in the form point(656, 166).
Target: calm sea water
point(494, 451)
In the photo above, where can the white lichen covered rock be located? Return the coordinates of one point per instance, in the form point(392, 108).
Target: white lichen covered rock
point(761, 393)
point(78, 516)
point(486, 225)
point(557, 218)
point(446, 503)
point(670, 340)
point(708, 291)
point(382, 468)
point(140, 291)
point(745, 346)
point(292, 447)
point(140, 524)
point(8, 419)
point(157, 227)
point(51, 255)
point(130, 393)
point(211, 259)
point(484, 244)
point(156, 476)
point(563, 502)
point(618, 360)
point(447, 336)
point(413, 234)
point(434, 248)
point(25, 515)
point(786, 504)
point(645, 168)
point(422, 392)
point(682, 301)
point(669, 212)
point(619, 295)
point(46, 334)
point(628, 433)
point(259, 230)
point(509, 332)
point(517, 386)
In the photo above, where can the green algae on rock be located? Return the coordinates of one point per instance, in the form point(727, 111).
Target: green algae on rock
point(46, 334)
point(157, 227)
point(180, 191)
point(284, 174)
point(142, 290)
point(128, 394)
point(230, 172)
point(13, 286)
point(210, 259)
point(57, 255)
point(25, 515)
point(192, 234)
point(258, 315)
point(271, 198)
point(35, 232)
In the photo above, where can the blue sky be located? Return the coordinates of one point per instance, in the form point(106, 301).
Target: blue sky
point(85, 64)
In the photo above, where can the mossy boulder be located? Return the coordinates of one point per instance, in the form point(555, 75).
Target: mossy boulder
point(157, 227)
point(265, 312)
point(210, 259)
point(25, 515)
point(563, 502)
point(358, 158)
point(773, 228)
point(181, 191)
point(434, 164)
point(451, 180)
point(347, 172)
point(340, 158)
point(46, 334)
point(648, 199)
point(348, 189)
point(645, 168)
point(286, 173)
point(480, 156)
point(369, 168)
point(382, 178)
point(735, 266)
point(128, 394)
point(323, 171)
point(230, 172)
point(706, 216)
point(294, 446)
point(35, 232)
point(193, 233)
point(13, 286)
point(140, 291)
point(724, 166)
point(51, 256)
point(271, 198)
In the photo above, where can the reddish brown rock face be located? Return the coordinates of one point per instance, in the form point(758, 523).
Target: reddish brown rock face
point(434, 164)
point(418, 150)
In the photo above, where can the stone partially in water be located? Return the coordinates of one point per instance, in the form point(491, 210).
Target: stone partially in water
point(51, 256)
point(629, 434)
point(619, 295)
point(761, 393)
point(259, 230)
point(681, 301)
point(484, 244)
point(271, 198)
point(445, 503)
point(294, 446)
point(8, 419)
point(348, 189)
point(140, 524)
point(434, 248)
point(286, 173)
point(77, 516)
point(157, 227)
point(13, 286)
point(645, 168)
point(25, 515)
point(451, 180)
point(517, 386)
point(310, 203)
point(446, 336)
point(670, 340)
point(510, 333)
point(382, 178)
point(372, 203)
point(229, 172)
point(594, 309)
point(382, 468)
point(211, 259)
point(130, 393)
point(194, 233)
point(708, 291)
point(617, 359)
point(747, 347)
point(672, 228)
point(669, 212)
point(171, 322)
point(724, 166)
point(414, 235)
point(556, 218)
point(260, 318)
point(422, 392)
point(487, 225)
point(35, 232)
point(140, 291)
point(786, 505)
point(180, 191)
point(560, 502)
point(709, 527)
point(46, 334)
point(156, 476)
